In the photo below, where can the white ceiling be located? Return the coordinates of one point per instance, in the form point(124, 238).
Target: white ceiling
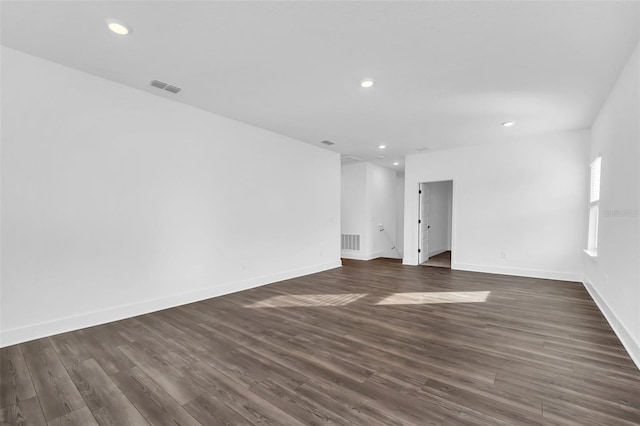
point(447, 73)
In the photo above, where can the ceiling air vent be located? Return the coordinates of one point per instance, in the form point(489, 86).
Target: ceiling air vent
point(159, 84)
point(348, 159)
point(328, 143)
point(172, 89)
point(165, 86)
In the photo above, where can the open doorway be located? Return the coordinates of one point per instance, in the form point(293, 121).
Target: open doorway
point(434, 223)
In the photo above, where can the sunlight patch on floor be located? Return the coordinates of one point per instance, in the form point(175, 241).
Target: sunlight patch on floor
point(435, 297)
point(291, 300)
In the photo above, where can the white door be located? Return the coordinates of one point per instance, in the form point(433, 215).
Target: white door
point(423, 224)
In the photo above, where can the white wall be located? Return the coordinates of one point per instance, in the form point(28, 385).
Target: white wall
point(400, 213)
point(381, 190)
point(439, 217)
point(368, 200)
point(116, 202)
point(353, 206)
point(613, 279)
point(525, 198)
point(449, 214)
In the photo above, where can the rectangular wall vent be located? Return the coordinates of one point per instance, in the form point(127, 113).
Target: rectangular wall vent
point(350, 242)
point(165, 86)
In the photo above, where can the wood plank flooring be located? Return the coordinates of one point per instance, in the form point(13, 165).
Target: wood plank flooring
point(371, 343)
point(442, 260)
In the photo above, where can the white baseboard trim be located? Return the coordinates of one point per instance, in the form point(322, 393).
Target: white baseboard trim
point(629, 343)
point(393, 256)
point(437, 251)
point(77, 322)
point(530, 273)
point(360, 256)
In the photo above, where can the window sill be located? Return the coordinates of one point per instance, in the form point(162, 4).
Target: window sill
point(592, 254)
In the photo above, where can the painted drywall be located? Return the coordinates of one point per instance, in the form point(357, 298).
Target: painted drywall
point(525, 198)
point(400, 213)
point(614, 277)
point(368, 205)
point(116, 202)
point(439, 216)
point(353, 207)
point(381, 190)
point(449, 213)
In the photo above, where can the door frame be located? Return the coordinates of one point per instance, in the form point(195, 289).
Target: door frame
point(411, 216)
point(423, 191)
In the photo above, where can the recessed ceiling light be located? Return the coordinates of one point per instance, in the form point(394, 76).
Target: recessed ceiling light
point(508, 123)
point(395, 163)
point(380, 157)
point(366, 83)
point(382, 146)
point(118, 27)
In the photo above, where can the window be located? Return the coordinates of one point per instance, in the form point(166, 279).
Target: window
point(594, 207)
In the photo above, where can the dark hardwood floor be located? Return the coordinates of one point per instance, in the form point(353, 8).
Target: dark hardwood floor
point(372, 343)
point(442, 260)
